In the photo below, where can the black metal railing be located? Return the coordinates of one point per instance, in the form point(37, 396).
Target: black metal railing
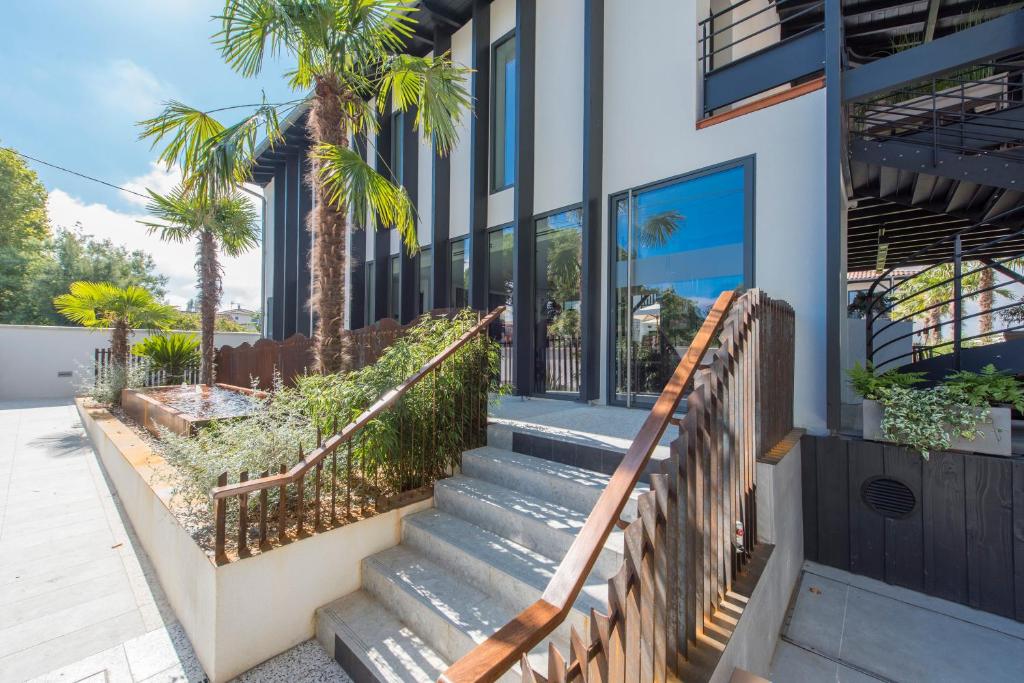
point(978, 110)
point(743, 29)
point(956, 270)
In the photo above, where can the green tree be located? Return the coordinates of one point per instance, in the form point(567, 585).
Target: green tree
point(24, 230)
point(346, 53)
point(71, 256)
point(224, 223)
point(123, 309)
point(187, 320)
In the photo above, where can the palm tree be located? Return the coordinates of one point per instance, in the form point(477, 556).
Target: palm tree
point(224, 223)
point(346, 54)
point(123, 309)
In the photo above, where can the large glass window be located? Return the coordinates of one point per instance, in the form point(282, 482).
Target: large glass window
point(458, 295)
point(503, 140)
point(370, 292)
point(677, 246)
point(557, 289)
point(425, 277)
point(499, 293)
point(395, 288)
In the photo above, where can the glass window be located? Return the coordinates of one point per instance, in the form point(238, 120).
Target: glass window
point(395, 288)
point(503, 141)
point(370, 292)
point(499, 293)
point(425, 277)
point(458, 295)
point(678, 245)
point(397, 146)
point(559, 255)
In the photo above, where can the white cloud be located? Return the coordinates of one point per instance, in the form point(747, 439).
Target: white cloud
point(124, 86)
point(241, 275)
point(160, 179)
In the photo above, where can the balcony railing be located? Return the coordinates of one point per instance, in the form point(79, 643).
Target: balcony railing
point(752, 46)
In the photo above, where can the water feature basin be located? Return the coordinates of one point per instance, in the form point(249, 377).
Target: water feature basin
point(187, 408)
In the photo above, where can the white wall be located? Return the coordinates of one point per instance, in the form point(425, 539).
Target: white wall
point(558, 114)
point(650, 114)
point(460, 157)
point(32, 355)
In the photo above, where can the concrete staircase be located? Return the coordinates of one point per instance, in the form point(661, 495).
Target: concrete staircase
point(467, 566)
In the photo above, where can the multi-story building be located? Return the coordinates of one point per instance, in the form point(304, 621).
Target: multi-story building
point(626, 161)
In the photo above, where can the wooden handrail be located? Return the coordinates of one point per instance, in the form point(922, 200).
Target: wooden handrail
point(331, 444)
point(491, 659)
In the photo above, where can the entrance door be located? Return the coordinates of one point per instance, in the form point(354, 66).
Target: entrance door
point(677, 245)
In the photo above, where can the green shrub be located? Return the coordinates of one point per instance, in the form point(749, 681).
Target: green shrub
point(104, 384)
point(174, 354)
point(871, 386)
point(928, 419)
point(990, 387)
point(431, 423)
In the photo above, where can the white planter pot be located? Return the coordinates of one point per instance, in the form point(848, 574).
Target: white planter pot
point(993, 440)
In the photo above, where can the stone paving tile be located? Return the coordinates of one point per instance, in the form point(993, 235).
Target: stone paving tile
point(852, 629)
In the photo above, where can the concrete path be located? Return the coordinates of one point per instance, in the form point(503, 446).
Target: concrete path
point(853, 629)
point(78, 597)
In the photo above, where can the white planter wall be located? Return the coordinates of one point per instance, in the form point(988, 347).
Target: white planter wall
point(31, 356)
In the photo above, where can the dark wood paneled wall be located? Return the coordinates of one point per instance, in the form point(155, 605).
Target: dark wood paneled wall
point(962, 541)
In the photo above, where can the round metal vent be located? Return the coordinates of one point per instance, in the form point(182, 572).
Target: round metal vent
point(888, 497)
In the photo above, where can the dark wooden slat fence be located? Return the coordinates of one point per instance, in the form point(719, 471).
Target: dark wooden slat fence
point(962, 538)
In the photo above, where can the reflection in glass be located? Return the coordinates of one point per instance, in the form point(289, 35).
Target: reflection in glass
point(395, 288)
point(370, 291)
point(425, 267)
point(458, 295)
point(503, 144)
point(677, 247)
point(499, 293)
point(557, 280)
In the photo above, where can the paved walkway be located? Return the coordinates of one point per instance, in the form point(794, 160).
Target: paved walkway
point(853, 629)
point(78, 597)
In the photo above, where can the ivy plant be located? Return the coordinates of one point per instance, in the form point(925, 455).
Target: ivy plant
point(928, 419)
point(989, 387)
point(873, 386)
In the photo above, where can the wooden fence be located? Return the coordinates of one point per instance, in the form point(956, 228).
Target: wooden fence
point(951, 526)
point(292, 357)
point(104, 361)
point(695, 529)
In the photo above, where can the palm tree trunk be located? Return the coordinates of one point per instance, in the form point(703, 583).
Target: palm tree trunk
point(119, 345)
point(209, 299)
point(985, 280)
point(327, 226)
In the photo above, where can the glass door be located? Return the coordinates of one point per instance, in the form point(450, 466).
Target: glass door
point(499, 293)
point(557, 263)
point(677, 246)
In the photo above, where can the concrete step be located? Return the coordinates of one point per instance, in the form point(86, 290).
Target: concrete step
point(543, 526)
point(511, 573)
point(374, 643)
point(567, 485)
point(451, 616)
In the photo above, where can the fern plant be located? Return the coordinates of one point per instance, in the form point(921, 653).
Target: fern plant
point(989, 387)
point(871, 386)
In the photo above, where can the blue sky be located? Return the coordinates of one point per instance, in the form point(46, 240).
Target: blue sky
point(76, 77)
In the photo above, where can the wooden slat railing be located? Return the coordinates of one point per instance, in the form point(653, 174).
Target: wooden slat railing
point(359, 470)
point(681, 553)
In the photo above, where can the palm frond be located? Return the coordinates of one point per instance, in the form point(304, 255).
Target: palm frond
point(436, 87)
point(657, 230)
point(250, 31)
point(183, 215)
point(352, 183)
point(189, 130)
point(96, 304)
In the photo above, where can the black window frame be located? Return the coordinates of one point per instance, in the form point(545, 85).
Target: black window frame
point(492, 169)
point(749, 166)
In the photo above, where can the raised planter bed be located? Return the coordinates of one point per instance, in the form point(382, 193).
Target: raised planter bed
point(185, 409)
point(995, 437)
point(240, 614)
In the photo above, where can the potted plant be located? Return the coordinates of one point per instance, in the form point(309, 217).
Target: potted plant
point(968, 412)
